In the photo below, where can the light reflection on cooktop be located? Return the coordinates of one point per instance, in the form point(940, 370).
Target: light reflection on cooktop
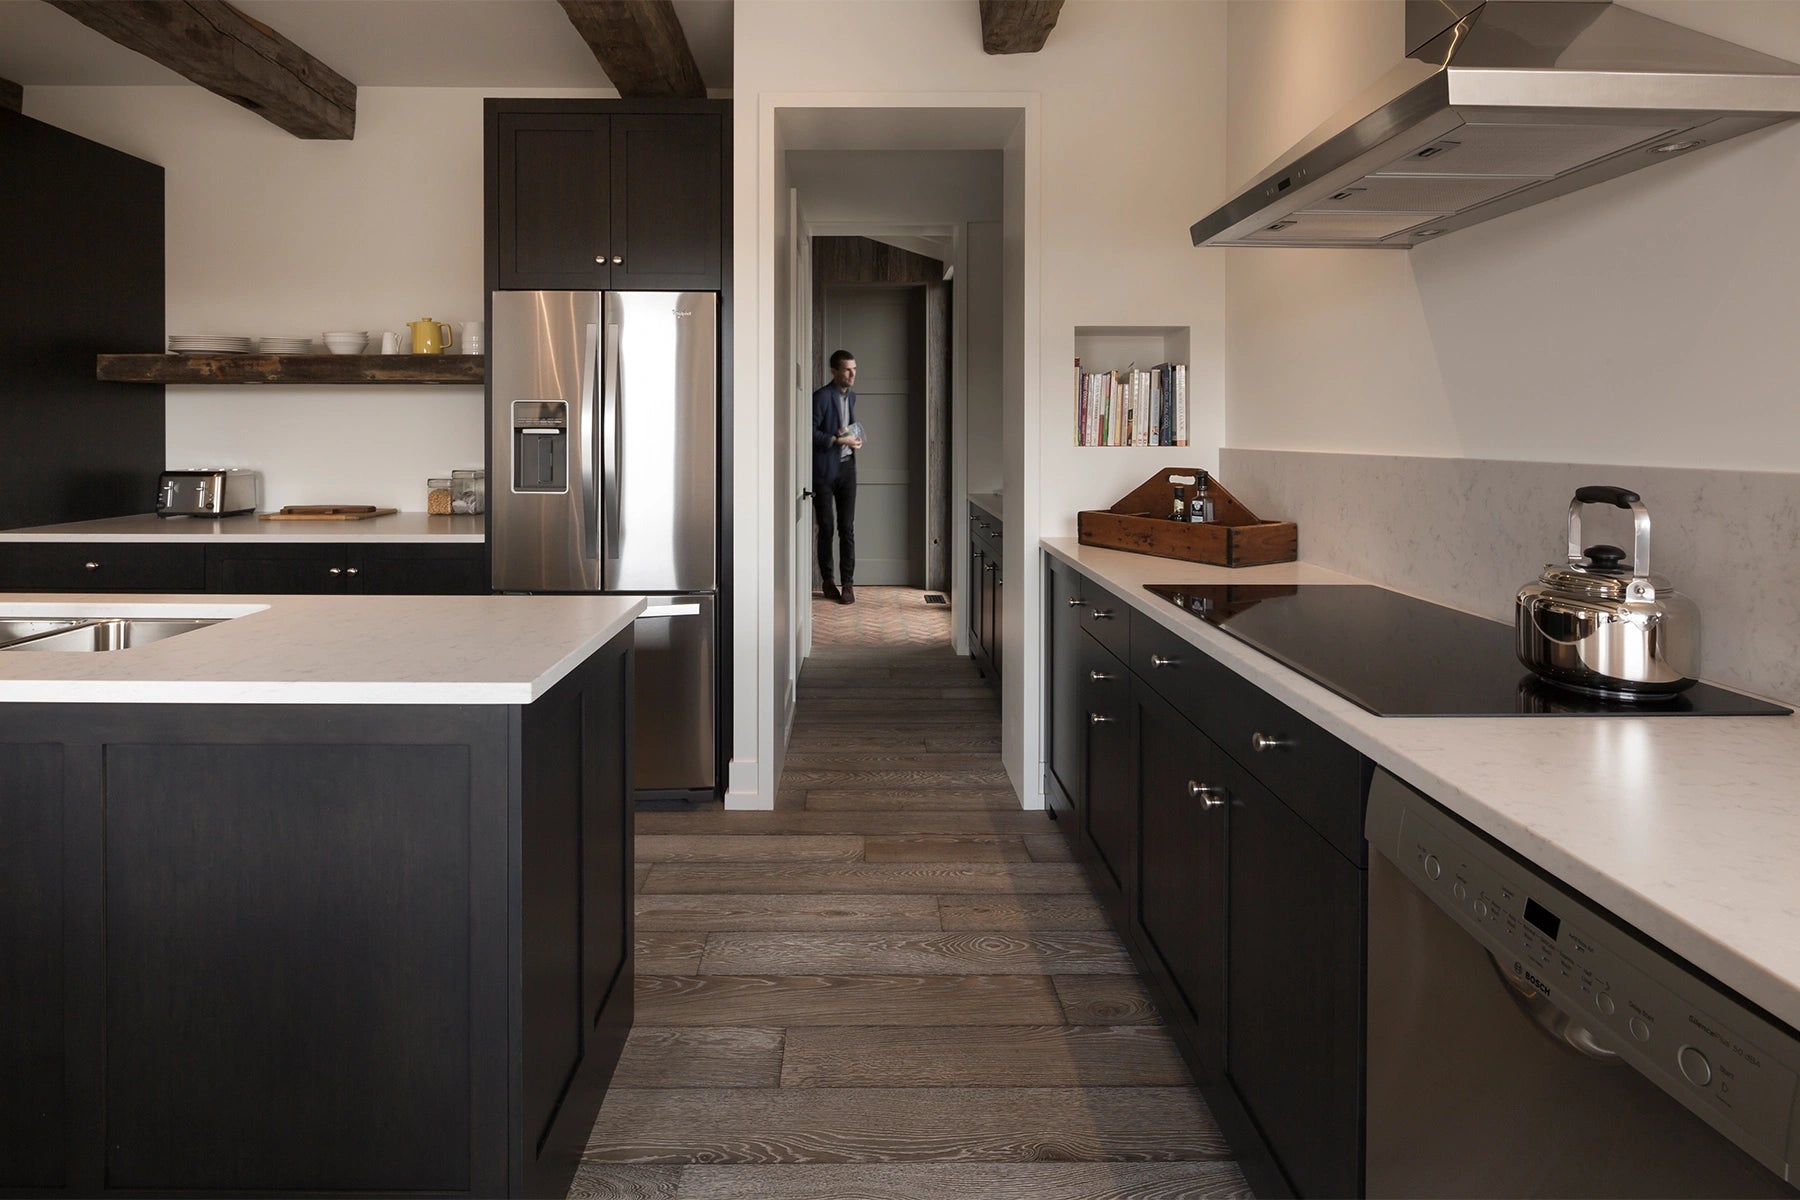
point(1401, 657)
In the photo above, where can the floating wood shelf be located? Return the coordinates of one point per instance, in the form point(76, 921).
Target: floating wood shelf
point(292, 368)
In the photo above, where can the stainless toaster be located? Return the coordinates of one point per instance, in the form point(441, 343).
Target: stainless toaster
point(218, 492)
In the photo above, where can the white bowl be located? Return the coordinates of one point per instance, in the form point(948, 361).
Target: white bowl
point(339, 343)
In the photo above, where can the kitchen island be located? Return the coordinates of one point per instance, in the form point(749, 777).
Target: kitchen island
point(333, 894)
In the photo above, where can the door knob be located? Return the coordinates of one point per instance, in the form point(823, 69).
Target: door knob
point(806, 493)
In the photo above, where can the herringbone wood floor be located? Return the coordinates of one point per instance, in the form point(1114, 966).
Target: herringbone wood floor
point(895, 986)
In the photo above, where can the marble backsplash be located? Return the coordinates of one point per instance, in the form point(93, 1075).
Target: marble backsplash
point(1469, 532)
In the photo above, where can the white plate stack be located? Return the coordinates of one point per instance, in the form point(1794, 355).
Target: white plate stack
point(289, 345)
point(210, 343)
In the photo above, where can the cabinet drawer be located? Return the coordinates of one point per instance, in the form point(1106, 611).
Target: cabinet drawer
point(1100, 612)
point(1195, 682)
point(102, 567)
point(1319, 777)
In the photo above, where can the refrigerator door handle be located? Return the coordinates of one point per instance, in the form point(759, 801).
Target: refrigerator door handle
point(590, 517)
point(670, 610)
point(613, 438)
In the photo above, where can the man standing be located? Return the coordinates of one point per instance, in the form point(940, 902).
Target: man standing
point(836, 439)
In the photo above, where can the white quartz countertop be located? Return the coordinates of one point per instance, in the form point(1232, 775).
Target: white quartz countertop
point(320, 649)
point(396, 527)
point(1686, 827)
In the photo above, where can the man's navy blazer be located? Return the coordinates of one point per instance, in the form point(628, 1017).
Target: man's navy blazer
point(826, 424)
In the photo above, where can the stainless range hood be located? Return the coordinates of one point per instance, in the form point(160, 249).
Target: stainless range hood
point(1517, 102)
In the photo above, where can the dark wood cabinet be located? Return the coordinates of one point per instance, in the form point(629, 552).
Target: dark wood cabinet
point(1221, 833)
point(238, 568)
point(592, 195)
point(985, 582)
point(102, 567)
point(1295, 1056)
point(284, 949)
point(1180, 910)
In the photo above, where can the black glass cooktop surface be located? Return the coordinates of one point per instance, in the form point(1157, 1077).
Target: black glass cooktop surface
point(1401, 657)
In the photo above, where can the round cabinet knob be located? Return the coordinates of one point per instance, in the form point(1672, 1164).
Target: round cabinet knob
point(599, 258)
point(1433, 868)
point(337, 570)
point(1604, 1002)
point(1459, 891)
point(1101, 614)
point(617, 259)
point(92, 566)
point(352, 570)
point(1076, 602)
point(1639, 1029)
point(1099, 719)
point(1209, 797)
point(1157, 660)
point(1099, 676)
point(1694, 1066)
point(1261, 742)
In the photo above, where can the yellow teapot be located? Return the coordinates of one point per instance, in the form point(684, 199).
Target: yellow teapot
point(426, 339)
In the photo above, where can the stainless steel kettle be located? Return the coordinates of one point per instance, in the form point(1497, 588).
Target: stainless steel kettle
point(1601, 624)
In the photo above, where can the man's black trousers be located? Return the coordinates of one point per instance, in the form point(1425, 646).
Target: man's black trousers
point(839, 498)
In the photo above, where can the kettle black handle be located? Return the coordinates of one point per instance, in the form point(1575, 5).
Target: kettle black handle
point(1601, 493)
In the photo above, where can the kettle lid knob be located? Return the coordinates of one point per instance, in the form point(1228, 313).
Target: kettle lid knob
point(1604, 558)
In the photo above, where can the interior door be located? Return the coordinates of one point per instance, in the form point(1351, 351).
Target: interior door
point(800, 586)
point(883, 326)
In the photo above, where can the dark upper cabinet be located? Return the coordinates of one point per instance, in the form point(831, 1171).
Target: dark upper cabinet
point(1183, 810)
point(667, 201)
point(1296, 987)
point(554, 200)
point(590, 195)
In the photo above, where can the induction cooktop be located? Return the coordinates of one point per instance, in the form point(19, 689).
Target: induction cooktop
point(1401, 657)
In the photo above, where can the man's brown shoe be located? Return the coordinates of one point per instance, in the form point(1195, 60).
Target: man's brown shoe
point(849, 594)
point(831, 590)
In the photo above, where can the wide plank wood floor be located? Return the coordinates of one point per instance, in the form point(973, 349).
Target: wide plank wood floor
point(896, 986)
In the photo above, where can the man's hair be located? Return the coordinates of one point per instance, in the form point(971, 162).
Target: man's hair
point(840, 357)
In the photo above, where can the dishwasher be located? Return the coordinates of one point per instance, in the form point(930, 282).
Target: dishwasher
point(1524, 1042)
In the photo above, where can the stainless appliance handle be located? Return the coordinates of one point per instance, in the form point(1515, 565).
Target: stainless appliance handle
point(670, 610)
point(612, 439)
point(1555, 1023)
point(590, 516)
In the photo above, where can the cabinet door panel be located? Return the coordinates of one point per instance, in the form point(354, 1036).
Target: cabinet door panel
point(1068, 740)
point(315, 570)
point(667, 221)
point(101, 567)
point(32, 1112)
point(554, 201)
point(1182, 887)
point(1296, 988)
point(1110, 786)
point(421, 569)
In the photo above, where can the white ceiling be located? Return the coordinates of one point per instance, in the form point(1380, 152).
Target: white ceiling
point(372, 43)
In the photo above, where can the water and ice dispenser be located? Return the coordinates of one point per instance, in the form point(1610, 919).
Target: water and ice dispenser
point(540, 450)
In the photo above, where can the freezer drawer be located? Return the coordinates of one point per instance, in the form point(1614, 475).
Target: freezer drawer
point(675, 701)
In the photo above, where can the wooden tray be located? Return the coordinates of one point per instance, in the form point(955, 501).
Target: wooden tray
point(1236, 537)
point(326, 512)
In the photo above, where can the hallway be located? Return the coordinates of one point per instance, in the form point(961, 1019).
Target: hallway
point(895, 985)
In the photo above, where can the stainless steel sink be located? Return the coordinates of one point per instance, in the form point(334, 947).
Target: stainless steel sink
point(92, 634)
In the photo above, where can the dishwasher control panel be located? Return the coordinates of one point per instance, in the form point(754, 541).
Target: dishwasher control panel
point(1698, 1042)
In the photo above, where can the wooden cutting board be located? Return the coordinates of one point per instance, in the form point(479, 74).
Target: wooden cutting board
point(326, 512)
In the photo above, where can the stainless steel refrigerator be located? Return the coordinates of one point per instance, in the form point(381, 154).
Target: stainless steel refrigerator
point(603, 416)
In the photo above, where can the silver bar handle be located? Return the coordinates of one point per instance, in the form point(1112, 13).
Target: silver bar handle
point(1101, 614)
point(613, 438)
point(1099, 676)
point(590, 501)
point(670, 610)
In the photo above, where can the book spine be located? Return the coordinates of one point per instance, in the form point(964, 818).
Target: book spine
point(1181, 430)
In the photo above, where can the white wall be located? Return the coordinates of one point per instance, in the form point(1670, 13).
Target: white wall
point(1647, 320)
point(271, 235)
point(920, 187)
point(1130, 99)
point(980, 295)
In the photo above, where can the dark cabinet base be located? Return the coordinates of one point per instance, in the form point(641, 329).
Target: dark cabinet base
point(366, 949)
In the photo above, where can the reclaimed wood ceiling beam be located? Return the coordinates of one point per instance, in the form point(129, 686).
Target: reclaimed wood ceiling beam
point(640, 46)
point(226, 52)
point(1017, 26)
point(12, 95)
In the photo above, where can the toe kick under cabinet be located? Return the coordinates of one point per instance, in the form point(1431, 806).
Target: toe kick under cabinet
point(1222, 833)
